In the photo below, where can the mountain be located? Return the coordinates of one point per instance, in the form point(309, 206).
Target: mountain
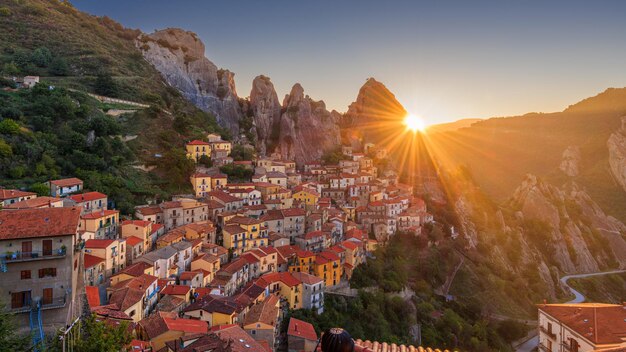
point(266, 110)
point(452, 126)
point(572, 145)
point(179, 56)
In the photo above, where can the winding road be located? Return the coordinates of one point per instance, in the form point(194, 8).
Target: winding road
point(532, 342)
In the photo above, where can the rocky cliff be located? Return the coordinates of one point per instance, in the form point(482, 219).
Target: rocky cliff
point(307, 129)
point(617, 154)
point(179, 56)
point(375, 115)
point(265, 108)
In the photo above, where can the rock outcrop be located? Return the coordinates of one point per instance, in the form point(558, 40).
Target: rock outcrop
point(375, 115)
point(307, 129)
point(617, 154)
point(179, 56)
point(570, 162)
point(265, 108)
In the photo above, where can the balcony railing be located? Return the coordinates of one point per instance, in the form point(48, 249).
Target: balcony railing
point(17, 257)
point(56, 302)
point(552, 334)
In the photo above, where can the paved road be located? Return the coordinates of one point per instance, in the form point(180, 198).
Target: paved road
point(578, 297)
point(532, 343)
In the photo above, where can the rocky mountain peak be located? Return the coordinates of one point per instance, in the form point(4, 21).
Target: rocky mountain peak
point(295, 96)
point(265, 109)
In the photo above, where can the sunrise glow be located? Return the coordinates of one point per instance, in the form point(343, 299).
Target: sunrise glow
point(414, 123)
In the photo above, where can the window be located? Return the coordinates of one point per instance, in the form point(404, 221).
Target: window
point(25, 274)
point(47, 272)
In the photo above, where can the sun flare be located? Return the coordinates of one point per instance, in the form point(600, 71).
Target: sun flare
point(414, 123)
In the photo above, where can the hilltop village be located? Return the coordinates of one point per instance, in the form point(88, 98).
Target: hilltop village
point(227, 262)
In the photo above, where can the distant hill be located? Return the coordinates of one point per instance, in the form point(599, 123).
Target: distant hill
point(452, 126)
point(499, 152)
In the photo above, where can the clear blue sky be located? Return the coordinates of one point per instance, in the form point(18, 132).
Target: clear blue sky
point(444, 60)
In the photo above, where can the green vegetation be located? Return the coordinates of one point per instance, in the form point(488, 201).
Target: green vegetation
point(333, 157)
point(241, 152)
point(10, 340)
point(96, 336)
point(237, 172)
point(606, 288)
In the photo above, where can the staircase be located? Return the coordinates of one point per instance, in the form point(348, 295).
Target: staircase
point(36, 327)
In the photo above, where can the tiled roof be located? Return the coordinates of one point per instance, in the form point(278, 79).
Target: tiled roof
point(177, 290)
point(133, 241)
point(302, 329)
point(244, 220)
point(140, 223)
point(14, 193)
point(91, 260)
point(284, 277)
point(234, 229)
point(66, 182)
point(198, 142)
point(266, 311)
point(240, 340)
point(293, 212)
point(210, 304)
point(126, 297)
point(87, 197)
point(188, 275)
point(100, 213)
point(39, 202)
point(98, 243)
point(93, 296)
point(307, 278)
point(368, 346)
point(42, 222)
point(598, 322)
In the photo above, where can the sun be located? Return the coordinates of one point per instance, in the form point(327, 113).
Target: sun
point(414, 123)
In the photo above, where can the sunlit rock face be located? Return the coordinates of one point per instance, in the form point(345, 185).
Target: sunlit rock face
point(617, 154)
point(179, 56)
point(571, 160)
point(375, 116)
point(265, 107)
point(307, 129)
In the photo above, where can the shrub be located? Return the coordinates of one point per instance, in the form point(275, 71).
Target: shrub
point(5, 11)
point(8, 126)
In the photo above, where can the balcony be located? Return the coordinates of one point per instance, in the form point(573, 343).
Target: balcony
point(550, 333)
point(56, 302)
point(19, 257)
point(544, 348)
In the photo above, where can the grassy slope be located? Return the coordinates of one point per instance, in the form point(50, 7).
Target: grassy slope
point(607, 288)
point(500, 151)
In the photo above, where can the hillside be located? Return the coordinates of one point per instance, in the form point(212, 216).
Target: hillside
point(499, 152)
point(57, 133)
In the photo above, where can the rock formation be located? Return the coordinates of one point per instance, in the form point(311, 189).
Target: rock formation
point(179, 56)
point(307, 129)
point(265, 108)
point(571, 160)
point(617, 154)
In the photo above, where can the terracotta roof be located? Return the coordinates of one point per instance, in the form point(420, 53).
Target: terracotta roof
point(126, 297)
point(140, 223)
point(91, 260)
point(302, 329)
point(234, 266)
point(368, 346)
point(93, 296)
point(177, 290)
point(223, 196)
point(99, 214)
point(41, 222)
point(133, 241)
point(211, 303)
point(14, 193)
point(140, 346)
point(198, 142)
point(136, 269)
point(66, 182)
point(200, 175)
point(244, 220)
point(313, 234)
point(87, 197)
point(240, 340)
point(284, 277)
point(597, 322)
point(98, 243)
point(349, 245)
point(266, 311)
point(307, 278)
point(149, 210)
point(141, 282)
point(188, 275)
point(39, 202)
point(293, 212)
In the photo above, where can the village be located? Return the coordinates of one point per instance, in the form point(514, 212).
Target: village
point(222, 266)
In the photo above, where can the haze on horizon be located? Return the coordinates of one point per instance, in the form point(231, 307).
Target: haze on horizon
point(443, 61)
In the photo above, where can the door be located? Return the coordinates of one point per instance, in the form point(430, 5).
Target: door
point(47, 247)
point(27, 248)
point(47, 296)
point(20, 299)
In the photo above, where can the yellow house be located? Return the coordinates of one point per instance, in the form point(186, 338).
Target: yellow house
point(285, 285)
point(328, 268)
point(209, 263)
point(307, 196)
point(196, 149)
point(162, 327)
point(304, 263)
point(214, 310)
point(132, 271)
point(112, 251)
point(223, 146)
point(140, 229)
point(201, 184)
point(243, 234)
point(100, 224)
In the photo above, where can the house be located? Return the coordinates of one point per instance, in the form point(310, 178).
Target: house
point(312, 291)
point(39, 202)
point(229, 201)
point(201, 184)
point(141, 229)
point(102, 224)
point(166, 326)
point(294, 222)
point(284, 285)
point(328, 267)
point(112, 251)
point(131, 271)
point(11, 196)
point(582, 327)
point(94, 269)
point(307, 196)
point(238, 339)
point(263, 321)
point(162, 260)
point(196, 149)
point(243, 233)
point(301, 336)
point(90, 202)
point(39, 260)
point(30, 81)
point(64, 187)
point(179, 291)
point(214, 310)
point(277, 178)
point(232, 276)
point(191, 278)
point(135, 297)
point(209, 264)
point(313, 241)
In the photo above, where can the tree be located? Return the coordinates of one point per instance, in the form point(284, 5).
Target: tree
point(10, 340)
point(41, 189)
point(105, 85)
point(101, 337)
point(10, 69)
point(5, 149)
point(59, 67)
point(42, 57)
point(8, 126)
point(205, 160)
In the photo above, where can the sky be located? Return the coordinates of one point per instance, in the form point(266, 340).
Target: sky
point(444, 60)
